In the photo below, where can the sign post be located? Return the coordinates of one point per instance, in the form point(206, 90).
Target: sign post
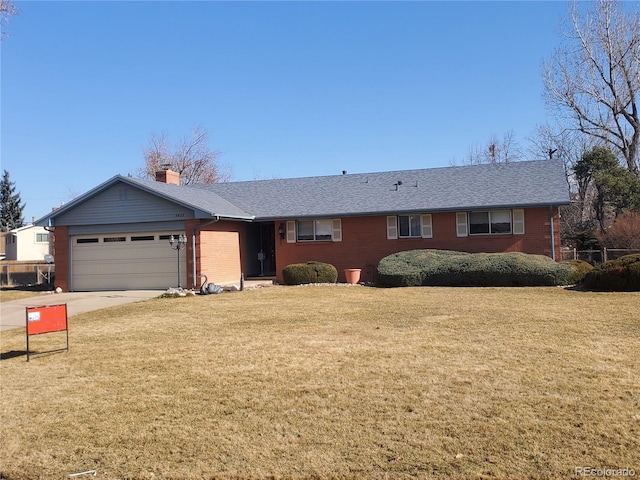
point(47, 319)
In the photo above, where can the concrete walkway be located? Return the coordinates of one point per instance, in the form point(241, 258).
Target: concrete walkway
point(12, 314)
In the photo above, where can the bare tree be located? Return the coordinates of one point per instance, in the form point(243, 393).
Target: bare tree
point(595, 77)
point(192, 158)
point(496, 150)
point(566, 144)
point(7, 9)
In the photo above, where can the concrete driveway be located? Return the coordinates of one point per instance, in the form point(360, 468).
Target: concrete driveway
point(12, 314)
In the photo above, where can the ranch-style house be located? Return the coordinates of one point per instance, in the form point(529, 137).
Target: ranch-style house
point(116, 236)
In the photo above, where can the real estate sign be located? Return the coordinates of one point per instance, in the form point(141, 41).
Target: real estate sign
point(47, 319)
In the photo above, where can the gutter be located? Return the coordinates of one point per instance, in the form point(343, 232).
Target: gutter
point(553, 242)
point(193, 244)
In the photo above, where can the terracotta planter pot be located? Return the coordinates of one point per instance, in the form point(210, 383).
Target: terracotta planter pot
point(352, 275)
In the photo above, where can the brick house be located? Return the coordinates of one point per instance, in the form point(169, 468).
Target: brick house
point(116, 236)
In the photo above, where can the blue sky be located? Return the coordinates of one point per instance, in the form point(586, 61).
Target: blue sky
point(285, 89)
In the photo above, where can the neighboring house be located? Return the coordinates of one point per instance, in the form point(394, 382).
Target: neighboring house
point(3, 243)
point(28, 243)
point(116, 236)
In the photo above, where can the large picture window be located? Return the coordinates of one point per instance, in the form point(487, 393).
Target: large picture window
point(314, 230)
point(491, 222)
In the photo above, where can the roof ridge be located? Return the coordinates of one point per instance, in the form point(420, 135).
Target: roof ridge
point(379, 173)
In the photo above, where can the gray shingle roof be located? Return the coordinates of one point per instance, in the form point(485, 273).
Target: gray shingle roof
point(518, 184)
point(198, 198)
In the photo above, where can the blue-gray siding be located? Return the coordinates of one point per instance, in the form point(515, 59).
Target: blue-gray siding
point(176, 227)
point(123, 203)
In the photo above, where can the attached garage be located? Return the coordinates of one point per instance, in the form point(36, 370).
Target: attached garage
point(126, 261)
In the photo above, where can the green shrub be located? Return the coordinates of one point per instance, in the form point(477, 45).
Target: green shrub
point(449, 268)
point(621, 275)
point(579, 270)
point(310, 272)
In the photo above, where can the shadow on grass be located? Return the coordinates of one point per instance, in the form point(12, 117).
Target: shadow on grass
point(576, 288)
point(13, 354)
point(40, 287)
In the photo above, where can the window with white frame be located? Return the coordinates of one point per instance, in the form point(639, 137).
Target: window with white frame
point(409, 226)
point(490, 222)
point(42, 238)
point(316, 230)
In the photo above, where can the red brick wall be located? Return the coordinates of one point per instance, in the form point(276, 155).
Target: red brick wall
point(364, 242)
point(168, 176)
point(220, 246)
point(219, 251)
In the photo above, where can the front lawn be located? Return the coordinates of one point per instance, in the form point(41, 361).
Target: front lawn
point(16, 293)
point(331, 382)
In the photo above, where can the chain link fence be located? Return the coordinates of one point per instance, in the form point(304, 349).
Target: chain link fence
point(596, 257)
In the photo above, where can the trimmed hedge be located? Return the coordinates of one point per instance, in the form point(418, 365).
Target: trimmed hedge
point(580, 270)
point(450, 268)
point(310, 272)
point(620, 275)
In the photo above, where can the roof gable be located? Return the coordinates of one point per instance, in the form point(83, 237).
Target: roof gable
point(141, 200)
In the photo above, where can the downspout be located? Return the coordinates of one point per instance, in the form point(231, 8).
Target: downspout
point(553, 242)
point(193, 244)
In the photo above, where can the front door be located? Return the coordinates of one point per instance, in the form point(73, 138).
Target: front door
point(267, 249)
point(261, 250)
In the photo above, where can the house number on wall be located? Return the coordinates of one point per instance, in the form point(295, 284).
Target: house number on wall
point(179, 214)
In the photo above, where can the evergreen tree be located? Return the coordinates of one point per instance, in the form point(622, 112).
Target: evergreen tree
point(616, 188)
point(12, 206)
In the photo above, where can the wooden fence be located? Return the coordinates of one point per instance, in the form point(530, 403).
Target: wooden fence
point(20, 274)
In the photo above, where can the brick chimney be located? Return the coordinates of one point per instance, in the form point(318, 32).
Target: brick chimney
point(168, 176)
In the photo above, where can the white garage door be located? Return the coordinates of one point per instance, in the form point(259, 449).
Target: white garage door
point(126, 261)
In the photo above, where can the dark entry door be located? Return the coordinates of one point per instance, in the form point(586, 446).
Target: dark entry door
point(268, 249)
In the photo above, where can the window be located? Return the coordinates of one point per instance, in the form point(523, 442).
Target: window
point(492, 222)
point(87, 240)
point(478, 223)
point(321, 230)
point(318, 230)
point(409, 226)
point(42, 238)
point(114, 239)
point(142, 238)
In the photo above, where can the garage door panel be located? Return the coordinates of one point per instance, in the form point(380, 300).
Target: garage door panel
point(136, 255)
point(123, 267)
point(119, 282)
point(116, 265)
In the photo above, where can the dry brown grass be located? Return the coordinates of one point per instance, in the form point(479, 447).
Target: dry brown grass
point(329, 382)
point(8, 294)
